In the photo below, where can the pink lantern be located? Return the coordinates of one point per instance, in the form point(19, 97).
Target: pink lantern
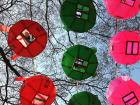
point(123, 91)
point(125, 47)
point(122, 9)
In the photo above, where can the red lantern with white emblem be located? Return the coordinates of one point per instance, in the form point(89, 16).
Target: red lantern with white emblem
point(37, 90)
point(27, 38)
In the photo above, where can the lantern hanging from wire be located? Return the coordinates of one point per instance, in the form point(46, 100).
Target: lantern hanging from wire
point(78, 15)
point(84, 98)
point(123, 91)
point(122, 9)
point(27, 38)
point(80, 62)
point(125, 47)
point(37, 90)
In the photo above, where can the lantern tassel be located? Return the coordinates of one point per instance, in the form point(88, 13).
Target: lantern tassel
point(4, 28)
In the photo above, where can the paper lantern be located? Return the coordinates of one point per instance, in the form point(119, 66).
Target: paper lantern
point(122, 9)
point(80, 62)
point(27, 38)
point(37, 90)
point(78, 15)
point(123, 91)
point(84, 98)
point(125, 47)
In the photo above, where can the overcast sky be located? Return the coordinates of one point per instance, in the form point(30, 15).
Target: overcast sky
point(136, 73)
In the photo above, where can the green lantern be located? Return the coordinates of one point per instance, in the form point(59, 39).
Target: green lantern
point(79, 62)
point(78, 15)
point(84, 98)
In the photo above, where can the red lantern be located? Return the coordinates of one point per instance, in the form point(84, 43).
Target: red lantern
point(122, 9)
point(123, 91)
point(37, 90)
point(27, 38)
point(125, 47)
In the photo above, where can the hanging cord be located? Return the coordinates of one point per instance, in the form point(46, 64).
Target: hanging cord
point(31, 14)
point(46, 17)
point(77, 86)
point(116, 26)
point(33, 63)
point(70, 38)
point(116, 30)
point(76, 36)
point(117, 71)
point(128, 71)
point(8, 62)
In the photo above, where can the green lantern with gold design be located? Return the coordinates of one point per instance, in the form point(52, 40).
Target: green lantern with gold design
point(84, 98)
point(80, 62)
point(78, 15)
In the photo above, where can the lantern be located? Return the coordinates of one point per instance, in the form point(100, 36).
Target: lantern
point(125, 47)
point(84, 98)
point(78, 15)
point(27, 38)
point(37, 90)
point(122, 9)
point(123, 91)
point(80, 62)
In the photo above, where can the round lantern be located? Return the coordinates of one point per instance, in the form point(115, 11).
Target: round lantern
point(37, 90)
point(27, 38)
point(80, 62)
point(78, 15)
point(122, 9)
point(125, 47)
point(84, 98)
point(123, 91)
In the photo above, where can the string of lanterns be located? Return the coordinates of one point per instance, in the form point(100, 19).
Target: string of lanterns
point(28, 38)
